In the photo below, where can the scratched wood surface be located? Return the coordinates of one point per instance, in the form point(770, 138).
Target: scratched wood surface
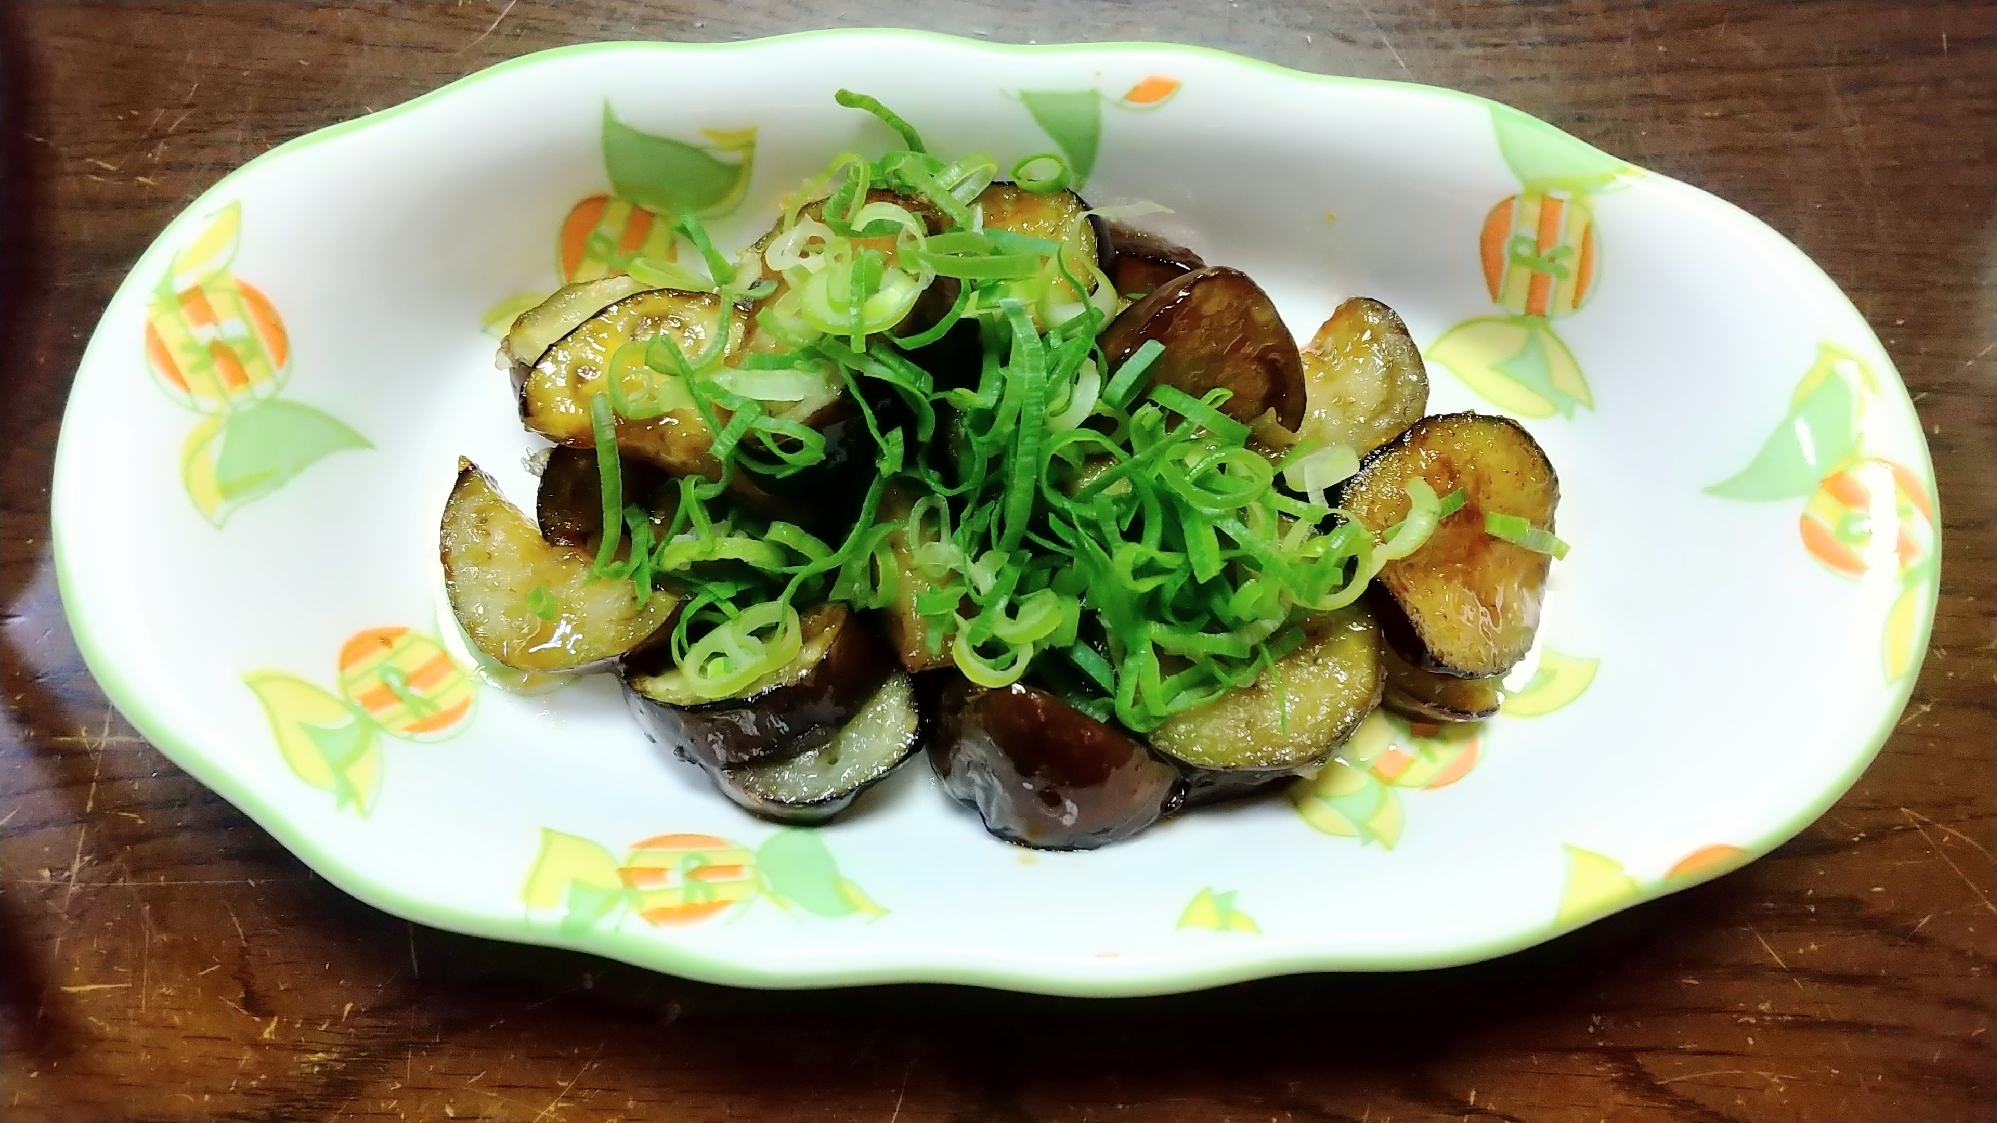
point(162, 958)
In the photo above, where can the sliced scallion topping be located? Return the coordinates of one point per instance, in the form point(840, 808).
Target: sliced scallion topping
point(1041, 172)
point(1520, 532)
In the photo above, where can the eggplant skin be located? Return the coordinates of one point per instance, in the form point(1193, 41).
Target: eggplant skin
point(1465, 604)
point(537, 329)
point(569, 503)
point(1364, 381)
point(1426, 696)
point(1286, 723)
point(1043, 774)
point(1219, 329)
point(789, 713)
point(816, 787)
point(1138, 261)
point(494, 558)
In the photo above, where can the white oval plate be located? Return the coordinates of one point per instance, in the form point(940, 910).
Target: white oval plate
point(267, 420)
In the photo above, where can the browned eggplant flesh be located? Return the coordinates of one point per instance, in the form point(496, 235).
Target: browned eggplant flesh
point(1219, 329)
point(1466, 604)
point(816, 786)
point(538, 328)
point(532, 604)
point(1289, 719)
point(1427, 696)
point(1364, 382)
point(1043, 774)
point(790, 711)
point(555, 401)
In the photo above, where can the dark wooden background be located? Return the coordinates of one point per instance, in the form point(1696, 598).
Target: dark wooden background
point(162, 958)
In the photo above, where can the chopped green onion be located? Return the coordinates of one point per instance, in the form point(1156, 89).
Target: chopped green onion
point(1520, 532)
point(1130, 375)
point(541, 603)
point(1424, 512)
point(1045, 182)
point(1321, 469)
point(667, 275)
point(610, 477)
point(1452, 503)
point(717, 266)
point(888, 117)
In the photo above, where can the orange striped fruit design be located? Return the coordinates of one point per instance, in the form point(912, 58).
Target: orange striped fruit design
point(406, 682)
point(1874, 515)
point(1539, 253)
point(216, 344)
point(603, 233)
point(687, 878)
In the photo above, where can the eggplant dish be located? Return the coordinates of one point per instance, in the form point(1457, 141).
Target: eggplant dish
point(949, 461)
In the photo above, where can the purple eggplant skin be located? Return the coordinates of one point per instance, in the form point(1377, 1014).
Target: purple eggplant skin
point(1041, 773)
point(780, 721)
point(569, 502)
point(1138, 261)
point(822, 784)
point(1208, 786)
point(1219, 329)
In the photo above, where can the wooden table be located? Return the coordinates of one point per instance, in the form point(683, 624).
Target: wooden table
point(162, 958)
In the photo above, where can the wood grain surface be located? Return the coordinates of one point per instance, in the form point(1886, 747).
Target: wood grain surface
point(162, 958)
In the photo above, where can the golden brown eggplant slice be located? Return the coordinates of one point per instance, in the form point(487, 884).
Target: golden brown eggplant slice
point(537, 329)
point(1427, 696)
point(1364, 382)
point(1285, 722)
point(1138, 261)
point(816, 786)
point(1058, 216)
point(1465, 604)
point(555, 400)
point(1042, 773)
point(1219, 329)
point(787, 713)
point(495, 562)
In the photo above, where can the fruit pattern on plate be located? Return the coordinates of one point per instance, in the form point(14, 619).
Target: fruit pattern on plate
point(1865, 517)
point(1541, 259)
point(653, 181)
point(217, 346)
point(674, 880)
point(393, 681)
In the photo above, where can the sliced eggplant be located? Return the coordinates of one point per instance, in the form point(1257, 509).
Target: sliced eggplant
point(537, 329)
point(1058, 216)
point(1286, 722)
point(569, 504)
point(818, 785)
point(785, 714)
point(1465, 604)
point(906, 630)
point(1364, 382)
point(1219, 329)
point(1427, 696)
point(1042, 773)
point(495, 562)
point(1138, 261)
point(554, 402)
